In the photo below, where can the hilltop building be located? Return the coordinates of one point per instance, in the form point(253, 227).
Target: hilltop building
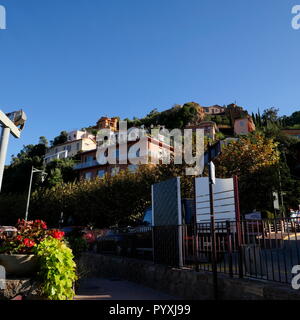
point(89, 168)
point(78, 141)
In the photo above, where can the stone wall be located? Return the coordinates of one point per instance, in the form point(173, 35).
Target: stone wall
point(185, 284)
point(25, 287)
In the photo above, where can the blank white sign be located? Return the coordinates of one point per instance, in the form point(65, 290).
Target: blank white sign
point(224, 201)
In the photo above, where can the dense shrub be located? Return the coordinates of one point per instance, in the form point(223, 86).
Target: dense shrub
point(104, 202)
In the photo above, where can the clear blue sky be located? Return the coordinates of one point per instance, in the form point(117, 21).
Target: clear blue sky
point(69, 62)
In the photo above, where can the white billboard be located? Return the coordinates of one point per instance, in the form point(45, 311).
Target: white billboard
point(224, 200)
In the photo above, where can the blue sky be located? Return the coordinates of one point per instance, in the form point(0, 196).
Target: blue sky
point(69, 62)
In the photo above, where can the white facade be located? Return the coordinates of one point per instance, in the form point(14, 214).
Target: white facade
point(69, 149)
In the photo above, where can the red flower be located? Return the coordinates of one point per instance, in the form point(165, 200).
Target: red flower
point(57, 234)
point(40, 224)
point(28, 243)
point(43, 225)
point(19, 238)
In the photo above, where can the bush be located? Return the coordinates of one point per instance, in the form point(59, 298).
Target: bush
point(105, 202)
point(58, 269)
point(77, 245)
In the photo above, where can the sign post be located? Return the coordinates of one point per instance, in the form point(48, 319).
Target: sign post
point(212, 182)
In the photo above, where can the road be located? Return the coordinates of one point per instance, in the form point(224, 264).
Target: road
point(117, 289)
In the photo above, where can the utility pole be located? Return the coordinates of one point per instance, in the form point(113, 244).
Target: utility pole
point(212, 222)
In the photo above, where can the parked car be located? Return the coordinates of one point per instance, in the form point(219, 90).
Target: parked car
point(7, 231)
point(112, 240)
point(129, 240)
point(79, 231)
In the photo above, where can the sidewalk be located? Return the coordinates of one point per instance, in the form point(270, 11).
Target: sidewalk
point(117, 289)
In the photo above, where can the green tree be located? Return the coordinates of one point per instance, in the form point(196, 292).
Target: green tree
point(43, 140)
point(59, 171)
point(254, 159)
point(62, 138)
point(270, 115)
point(17, 174)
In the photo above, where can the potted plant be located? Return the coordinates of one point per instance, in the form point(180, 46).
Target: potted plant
point(34, 249)
point(18, 251)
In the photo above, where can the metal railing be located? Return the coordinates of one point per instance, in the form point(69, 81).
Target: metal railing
point(84, 165)
point(262, 249)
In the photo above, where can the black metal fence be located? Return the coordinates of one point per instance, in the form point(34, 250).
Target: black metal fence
point(263, 249)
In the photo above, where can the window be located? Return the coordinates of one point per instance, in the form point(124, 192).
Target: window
point(115, 171)
point(101, 173)
point(138, 153)
point(89, 158)
point(77, 146)
point(69, 148)
point(132, 167)
point(88, 175)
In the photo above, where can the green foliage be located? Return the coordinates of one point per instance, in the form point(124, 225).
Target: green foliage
point(218, 119)
point(290, 121)
point(108, 201)
point(12, 207)
point(60, 171)
point(267, 214)
point(77, 245)
point(17, 174)
point(176, 117)
point(43, 140)
point(270, 115)
point(62, 138)
point(220, 136)
point(254, 159)
point(58, 269)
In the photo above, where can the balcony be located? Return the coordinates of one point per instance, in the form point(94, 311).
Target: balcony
point(84, 165)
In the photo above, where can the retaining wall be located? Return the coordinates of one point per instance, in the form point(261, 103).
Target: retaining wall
point(185, 284)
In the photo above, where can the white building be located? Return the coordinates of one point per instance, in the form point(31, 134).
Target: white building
point(78, 141)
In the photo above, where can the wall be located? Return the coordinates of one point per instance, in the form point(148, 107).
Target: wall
point(185, 284)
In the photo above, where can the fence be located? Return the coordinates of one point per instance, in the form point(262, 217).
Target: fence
point(263, 249)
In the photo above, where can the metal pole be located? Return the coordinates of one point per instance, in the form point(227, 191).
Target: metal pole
point(281, 195)
point(3, 151)
point(29, 193)
point(238, 225)
point(213, 229)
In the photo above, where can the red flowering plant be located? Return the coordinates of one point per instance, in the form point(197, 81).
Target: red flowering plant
point(29, 234)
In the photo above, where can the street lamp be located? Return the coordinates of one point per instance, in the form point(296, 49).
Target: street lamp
point(33, 170)
point(11, 123)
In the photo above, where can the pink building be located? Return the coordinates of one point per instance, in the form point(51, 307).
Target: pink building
point(243, 126)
